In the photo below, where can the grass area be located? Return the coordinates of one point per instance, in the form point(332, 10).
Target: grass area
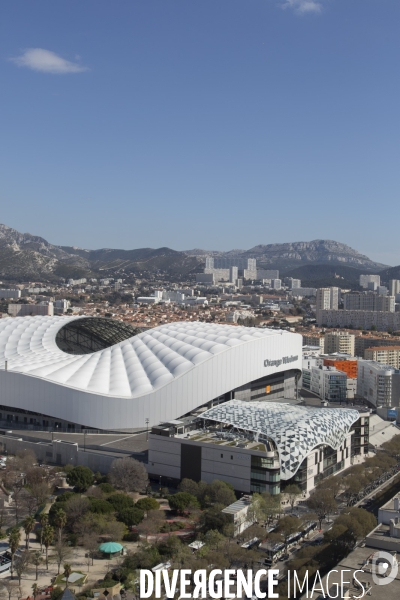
point(60, 579)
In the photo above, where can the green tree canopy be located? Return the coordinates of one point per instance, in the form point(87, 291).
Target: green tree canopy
point(80, 478)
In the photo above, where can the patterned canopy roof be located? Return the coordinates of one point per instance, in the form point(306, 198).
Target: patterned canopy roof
point(296, 430)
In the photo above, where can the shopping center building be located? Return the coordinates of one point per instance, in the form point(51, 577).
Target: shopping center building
point(255, 446)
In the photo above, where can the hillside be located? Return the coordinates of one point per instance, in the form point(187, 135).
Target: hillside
point(28, 257)
point(292, 255)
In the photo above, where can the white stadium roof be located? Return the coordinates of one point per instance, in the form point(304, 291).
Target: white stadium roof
point(296, 430)
point(139, 367)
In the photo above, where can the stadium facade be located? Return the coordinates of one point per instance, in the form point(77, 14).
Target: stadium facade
point(89, 372)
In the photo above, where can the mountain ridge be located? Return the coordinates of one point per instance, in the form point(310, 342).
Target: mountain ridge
point(27, 256)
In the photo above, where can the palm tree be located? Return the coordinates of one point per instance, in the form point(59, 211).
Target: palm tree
point(43, 520)
point(14, 541)
point(67, 573)
point(28, 525)
point(48, 536)
point(36, 559)
point(60, 520)
point(35, 590)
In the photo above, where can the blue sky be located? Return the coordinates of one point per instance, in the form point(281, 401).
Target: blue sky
point(216, 123)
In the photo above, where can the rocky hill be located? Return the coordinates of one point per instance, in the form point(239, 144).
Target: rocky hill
point(27, 257)
point(291, 255)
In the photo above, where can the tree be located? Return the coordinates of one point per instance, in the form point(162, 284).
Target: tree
point(146, 504)
point(272, 505)
point(80, 478)
point(21, 564)
point(322, 503)
point(286, 527)
point(48, 536)
point(62, 552)
point(128, 474)
point(91, 544)
point(36, 560)
point(43, 520)
point(131, 516)
point(14, 541)
point(181, 501)
point(35, 590)
point(189, 486)
point(67, 573)
point(292, 491)
point(152, 524)
point(76, 508)
point(9, 588)
point(28, 526)
point(60, 521)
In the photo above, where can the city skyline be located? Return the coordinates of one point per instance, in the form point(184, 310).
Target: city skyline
point(211, 126)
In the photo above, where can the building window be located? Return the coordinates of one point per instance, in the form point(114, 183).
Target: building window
point(222, 456)
point(231, 456)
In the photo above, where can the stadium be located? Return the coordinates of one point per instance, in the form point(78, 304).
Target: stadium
point(97, 373)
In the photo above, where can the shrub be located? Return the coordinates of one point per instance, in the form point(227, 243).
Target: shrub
point(65, 496)
point(132, 536)
point(107, 488)
point(147, 504)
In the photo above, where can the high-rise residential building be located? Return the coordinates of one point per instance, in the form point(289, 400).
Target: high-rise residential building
point(339, 341)
point(394, 287)
point(293, 283)
point(366, 279)
point(377, 383)
point(276, 284)
point(233, 274)
point(209, 262)
point(368, 301)
point(385, 355)
point(327, 299)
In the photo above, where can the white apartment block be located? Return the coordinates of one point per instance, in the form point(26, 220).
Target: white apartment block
point(354, 319)
point(339, 341)
point(368, 301)
point(384, 355)
point(293, 283)
point(276, 284)
point(366, 279)
point(379, 384)
point(394, 287)
point(12, 294)
point(24, 310)
point(327, 298)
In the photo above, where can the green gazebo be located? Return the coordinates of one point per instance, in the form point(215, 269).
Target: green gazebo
point(110, 548)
